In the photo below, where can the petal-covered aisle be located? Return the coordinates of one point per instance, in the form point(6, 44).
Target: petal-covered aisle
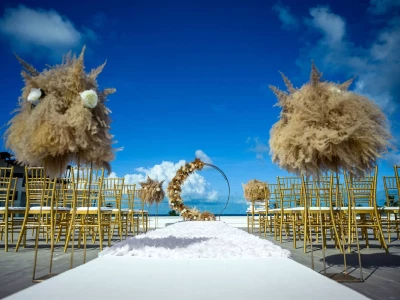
point(197, 240)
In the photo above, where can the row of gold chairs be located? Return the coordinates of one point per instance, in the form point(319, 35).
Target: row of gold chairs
point(302, 208)
point(84, 201)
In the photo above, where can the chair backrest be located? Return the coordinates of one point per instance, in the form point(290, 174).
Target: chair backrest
point(362, 192)
point(87, 185)
point(391, 191)
point(324, 191)
point(137, 202)
point(397, 175)
point(127, 196)
point(6, 181)
point(112, 192)
point(274, 198)
point(40, 190)
point(290, 191)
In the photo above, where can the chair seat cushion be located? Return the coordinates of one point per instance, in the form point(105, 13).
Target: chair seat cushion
point(360, 208)
point(48, 208)
point(389, 209)
point(317, 208)
point(293, 209)
point(13, 208)
point(94, 208)
point(124, 210)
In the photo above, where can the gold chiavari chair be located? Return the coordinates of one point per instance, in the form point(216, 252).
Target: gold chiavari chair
point(292, 207)
point(7, 209)
point(14, 224)
point(42, 211)
point(128, 200)
point(65, 196)
point(321, 213)
point(139, 211)
point(89, 212)
point(362, 210)
point(272, 208)
point(390, 212)
point(112, 194)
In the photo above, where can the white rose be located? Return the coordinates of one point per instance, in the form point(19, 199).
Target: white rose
point(89, 98)
point(34, 96)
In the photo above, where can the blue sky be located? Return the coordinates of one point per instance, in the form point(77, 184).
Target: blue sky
point(194, 75)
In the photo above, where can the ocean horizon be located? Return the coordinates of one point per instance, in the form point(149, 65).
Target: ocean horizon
point(237, 206)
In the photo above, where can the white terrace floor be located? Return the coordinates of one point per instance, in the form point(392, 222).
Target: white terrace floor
point(381, 271)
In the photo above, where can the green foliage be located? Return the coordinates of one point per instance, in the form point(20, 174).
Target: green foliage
point(173, 213)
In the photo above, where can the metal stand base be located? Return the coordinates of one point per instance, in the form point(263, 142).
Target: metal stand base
point(343, 277)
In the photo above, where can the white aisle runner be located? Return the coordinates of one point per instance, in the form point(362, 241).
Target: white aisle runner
point(156, 272)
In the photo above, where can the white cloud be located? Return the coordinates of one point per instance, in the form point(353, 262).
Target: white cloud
point(393, 158)
point(204, 157)
point(44, 31)
point(375, 65)
point(213, 195)
point(330, 25)
point(379, 7)
point(195, 186)
point(258, 147)
point(289, 22)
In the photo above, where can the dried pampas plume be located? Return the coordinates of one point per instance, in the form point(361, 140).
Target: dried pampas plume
point(152, 191)
point(324, 127)
point(207, 216)
point(56, 122)
point(174, 190)
point(256, 190)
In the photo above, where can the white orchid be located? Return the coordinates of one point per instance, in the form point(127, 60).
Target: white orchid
point(34, 96)
point(89, 98)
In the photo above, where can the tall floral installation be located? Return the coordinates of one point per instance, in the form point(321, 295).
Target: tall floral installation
point(174, 191)
point(61, 118)
point(324, 127)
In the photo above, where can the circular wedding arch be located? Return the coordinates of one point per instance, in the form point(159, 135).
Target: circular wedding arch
point(174, 191)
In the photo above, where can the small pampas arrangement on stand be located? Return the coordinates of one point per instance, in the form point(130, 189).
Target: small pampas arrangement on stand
point(256, 190)
point(152, 191)
point(324, 127)
point(61, 118)
point(174, 191)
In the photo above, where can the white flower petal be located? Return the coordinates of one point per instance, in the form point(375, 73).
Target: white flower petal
point(89, 98)
point(34, 96)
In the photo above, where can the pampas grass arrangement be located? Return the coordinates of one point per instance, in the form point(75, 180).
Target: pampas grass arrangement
point(256, 190)
point(174, 190)
point(152, 191)
point(61, 118)
point(324, 127)
point(207, 216)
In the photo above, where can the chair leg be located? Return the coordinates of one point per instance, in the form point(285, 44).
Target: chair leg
point(22, 234)
point(383, 243)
